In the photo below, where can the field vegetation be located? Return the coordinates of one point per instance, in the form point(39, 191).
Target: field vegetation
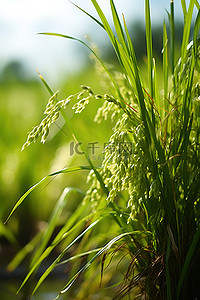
point(116, 182)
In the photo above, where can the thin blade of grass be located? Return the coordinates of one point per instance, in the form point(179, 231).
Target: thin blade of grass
point(53, 222)
point(45, 83)
point(63, 234)
point(57, 260)
point(172, 37)
point(78, 256)
point(186, 31)
point(168, 278)
point(149, 46)
point(118, 26)
point(105, 24)
point(196, 34)
point(103, 249)
point(8, 234)
point(155, 87)
point(64, 170)
point(197, 4)
point(70, 226)
point(188, 259)
point(137, 83)
point(93, 52)
point(14, 263)
point(89, 15)
point(165, 64)
point(184, 9)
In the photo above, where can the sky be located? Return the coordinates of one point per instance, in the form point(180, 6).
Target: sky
point(21, 20)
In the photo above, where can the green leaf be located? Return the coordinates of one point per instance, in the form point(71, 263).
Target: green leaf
point(26, 250)
point(165, 63)
point(7, 233)
point(186, 31)
point(187, 263)
point(184, 8)
point(168, 279)
point(196, 34)
point(57, 260)
point(100, 252)
point(118, 26)
point(172, 37)
point(64, 170)
point(149, 46)
point(71, 225)
point(105, 23)
point(53, 222)
point(93, 18)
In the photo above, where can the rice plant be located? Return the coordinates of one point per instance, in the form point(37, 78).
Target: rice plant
point(147, 188)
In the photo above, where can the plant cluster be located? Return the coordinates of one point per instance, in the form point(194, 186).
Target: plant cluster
point(148, 183)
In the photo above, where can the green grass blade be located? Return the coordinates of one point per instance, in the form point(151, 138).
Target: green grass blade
point(64, 170)
point(14, 263)
point(168, 279)
point(186, 31)
point(165, 64)
point(155, 87)
point(118, 26)
point(184, 9)
point(45, 84)
point(197, 4)
point(94, 53)
point(149, 46)
point(105, 24)
point(53, 222)
point(89, 15)
point(188, 259)
point(19, 202)
point(71, 225)
point(7, 233)
point(57, 260)
point(172, 37)
point(196, 34)
point(136, 82)
point(83, 43)
point(78, 256)
point(103, 249)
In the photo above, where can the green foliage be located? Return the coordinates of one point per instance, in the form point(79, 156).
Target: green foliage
point(147, 187)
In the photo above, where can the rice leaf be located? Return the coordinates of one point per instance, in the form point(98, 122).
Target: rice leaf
point(26, 250)
point(118, 26)
point(197, 4)
point(149, 46)
point(70, 227)
point(64, 170)
point(8, 234)
point(105, 24)
point(165, 63)
point(187, 263)
point(83, 43)
point(184, 9)
point(89, 15)
point(103, 249)
point(168, 279)
point(57, 260)
point(53, 221)
point(172, 37)
point(186, 31)
point(196, 34)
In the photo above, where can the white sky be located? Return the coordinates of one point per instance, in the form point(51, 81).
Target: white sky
point(20, 20)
